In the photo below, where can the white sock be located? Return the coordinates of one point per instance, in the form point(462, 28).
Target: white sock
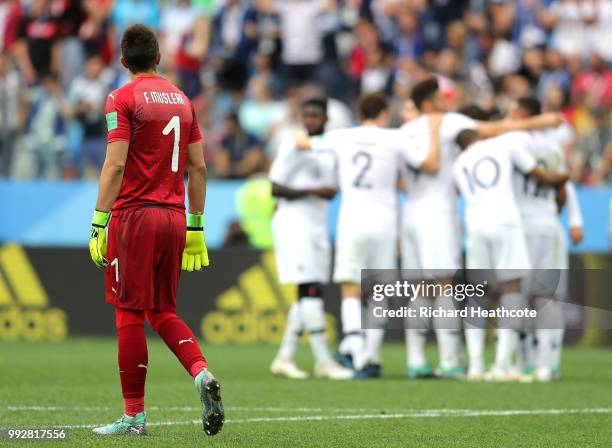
point(475, 336)
point(549, 332)
point(374, 340)
point(508, 330)
point(526, 354)
point(313, 320)
point(416, 334)
point(291, 337)
point(475, 343)
point(415, 344)
point(507, 343)
point(448, 334)
point(353, 342)
point(557, 348)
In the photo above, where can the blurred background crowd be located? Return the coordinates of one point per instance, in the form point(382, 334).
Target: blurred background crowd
point(247, 65)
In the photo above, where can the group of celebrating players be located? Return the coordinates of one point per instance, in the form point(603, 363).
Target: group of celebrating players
point(511, 175)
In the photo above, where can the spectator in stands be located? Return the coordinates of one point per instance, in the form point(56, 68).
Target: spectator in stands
point(47, 112)
point(87, 97)
point(376, 76)
point(38, 49)
point(96, 30)
point(235, 30)
point(185, 31)
point(126, 12)
point(10, 18)
point(409, 40)
point(302, 36)
point(260, 110)
point(240, 153)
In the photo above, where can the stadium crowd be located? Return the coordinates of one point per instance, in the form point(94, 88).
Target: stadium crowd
point(247, 65)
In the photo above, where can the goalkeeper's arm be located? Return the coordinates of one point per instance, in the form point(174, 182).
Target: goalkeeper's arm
point(110, 183)
point(195, 254)
point(196, 173)
point(112, 174)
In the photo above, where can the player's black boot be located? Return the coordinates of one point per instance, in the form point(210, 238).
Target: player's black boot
point(213, 415)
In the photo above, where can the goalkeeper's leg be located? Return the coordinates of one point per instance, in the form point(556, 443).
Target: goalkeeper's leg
point(133, 365)
point(181, 341)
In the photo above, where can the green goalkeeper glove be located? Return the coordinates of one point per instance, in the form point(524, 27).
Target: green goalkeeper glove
point(97, 240)
point(195, 254)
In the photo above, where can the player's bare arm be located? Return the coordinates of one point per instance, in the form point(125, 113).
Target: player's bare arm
point(282, 191)
point(110, 184)
point(195, 255)
point(197, 176)
point(574, 213)
point(112, 174)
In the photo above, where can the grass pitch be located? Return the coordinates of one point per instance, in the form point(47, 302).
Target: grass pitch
point(75, 384)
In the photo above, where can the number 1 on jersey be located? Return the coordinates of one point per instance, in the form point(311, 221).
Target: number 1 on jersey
point(174, 125)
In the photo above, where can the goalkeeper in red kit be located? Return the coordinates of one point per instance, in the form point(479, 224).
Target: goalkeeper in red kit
point(153, 139)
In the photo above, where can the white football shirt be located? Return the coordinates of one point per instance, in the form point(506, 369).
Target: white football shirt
point(368, 170)
point(432, 192)
point(303, 170)
point(537, 202)
point(484, 174)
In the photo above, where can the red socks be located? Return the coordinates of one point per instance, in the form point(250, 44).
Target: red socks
point(133, 358)
point(179, 338)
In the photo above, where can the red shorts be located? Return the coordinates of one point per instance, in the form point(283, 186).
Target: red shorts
point(144, 250)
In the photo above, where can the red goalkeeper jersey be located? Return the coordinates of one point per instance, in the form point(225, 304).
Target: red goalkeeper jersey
point(159, 122)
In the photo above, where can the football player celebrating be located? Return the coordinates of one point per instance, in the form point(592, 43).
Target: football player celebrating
point(153, 140)
point(495, 236)
point(304, 182)
point(547, 245)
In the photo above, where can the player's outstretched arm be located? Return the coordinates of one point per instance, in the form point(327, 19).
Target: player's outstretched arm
point(110, 183)
point(195, 254)
point(494, 128)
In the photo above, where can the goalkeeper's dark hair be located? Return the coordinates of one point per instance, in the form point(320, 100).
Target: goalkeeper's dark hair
point(466, 138)
point(530, 105)
point(319, 103)
point(139, 48)
point(371, 105)
point(424, 90)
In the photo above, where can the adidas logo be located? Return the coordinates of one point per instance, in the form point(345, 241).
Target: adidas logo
point(255, 308)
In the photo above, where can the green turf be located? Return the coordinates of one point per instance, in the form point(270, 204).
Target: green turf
point(80, 379)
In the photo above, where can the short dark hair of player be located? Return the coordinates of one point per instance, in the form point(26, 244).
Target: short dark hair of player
point(319, 103)
point(139, 48)
point(529, 105)
point(475, 112)
point(423, 91)
point(371, 105)
point(466, 138)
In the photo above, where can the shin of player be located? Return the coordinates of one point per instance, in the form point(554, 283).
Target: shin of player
point(153, 140)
